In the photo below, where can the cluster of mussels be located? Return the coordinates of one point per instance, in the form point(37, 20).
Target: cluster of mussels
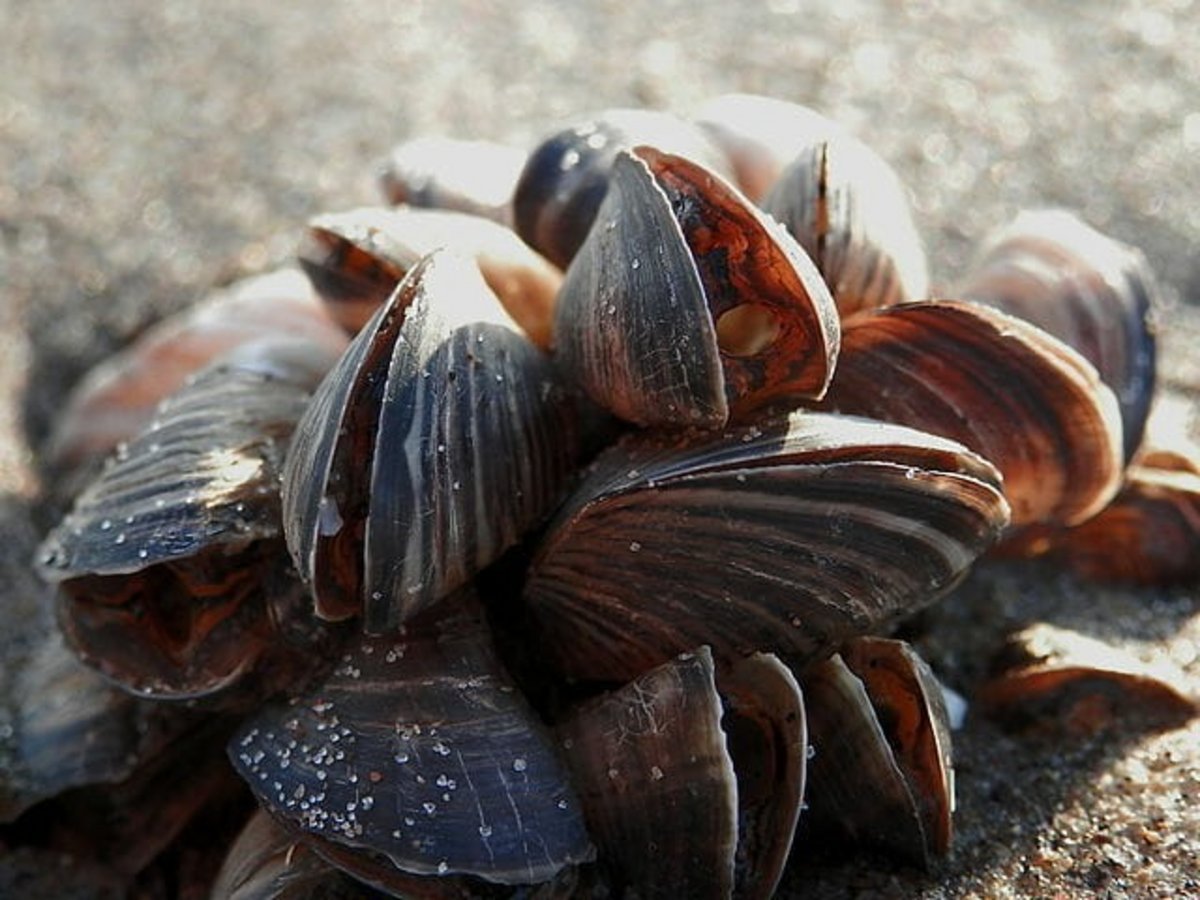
point(551, 564)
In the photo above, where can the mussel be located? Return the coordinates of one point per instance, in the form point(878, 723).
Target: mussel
point(881, 748)
point(567, 176)
point(117, 398)
point(1061, 682)
point(1090, 291)
point(476, 177)
point(168, 565)
point(688, 307)
point(438, 440)
point(762, 135)
point(850, 211)
point(419, 751)
point(355, 259)
point(788, 536)
point(692, 778)
point(1009, 391)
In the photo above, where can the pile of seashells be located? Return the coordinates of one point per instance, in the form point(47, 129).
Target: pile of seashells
point(555, 565)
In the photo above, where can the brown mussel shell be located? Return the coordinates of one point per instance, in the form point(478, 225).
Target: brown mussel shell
point(438, 440)
point(1148, 534)
point(660, 767)
point(849, 211)
point(476, 177)
point(1088, 290)
point(761, 136)
point(1054, 680)
point(116, 400)
point(881, 767)
point(419, 749)
point(566, 177)
point(168, 565)
point(686, 306)
point(1012, 393)
point(788, 537)
point(355, 259)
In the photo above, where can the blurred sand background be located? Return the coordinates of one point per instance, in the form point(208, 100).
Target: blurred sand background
point(152, 150)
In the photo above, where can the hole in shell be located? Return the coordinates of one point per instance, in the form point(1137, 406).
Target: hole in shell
point(746, 330)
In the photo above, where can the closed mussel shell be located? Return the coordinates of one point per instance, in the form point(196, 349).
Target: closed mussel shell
point(1090, 291)
point(567, 175)
point(116, 400)
point(881, 768)
point(419, 751)
point(655, 763)
point(850, 212)
point(911, 707)
point(686, 306)
point(788, 537)
point(761, 136)
point(476, 177)
point(168, 564)
point(441, 437)
point(1012, 393)
point(356, 259)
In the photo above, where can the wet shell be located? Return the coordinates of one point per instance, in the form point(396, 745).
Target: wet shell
point(659, 765)
point(1012, 393)
point(419, 750)
point(686, 306)
point(476, 177)
point(356, 259)
point(881, 767)
point(116, 400)
point(567, 175)
point(168, 566)
point(761, 136)
point(850, 212)
point(787, 537)
point(440, 438)
point(1090, 291)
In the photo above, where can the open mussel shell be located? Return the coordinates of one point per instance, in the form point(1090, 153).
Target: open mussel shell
point(116, 400)
point(168, 565)
point(1012, 393)
point(686, 306)
point(850, 212)
point(476, 177)
point(419, 750)
point(761, 136)
point(1054, 680)
point(881, 768)
point(1090, 291)
point(789, 537)
point(567, 176)
point(441, 437)
point(669, 776)
point(355, 259)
